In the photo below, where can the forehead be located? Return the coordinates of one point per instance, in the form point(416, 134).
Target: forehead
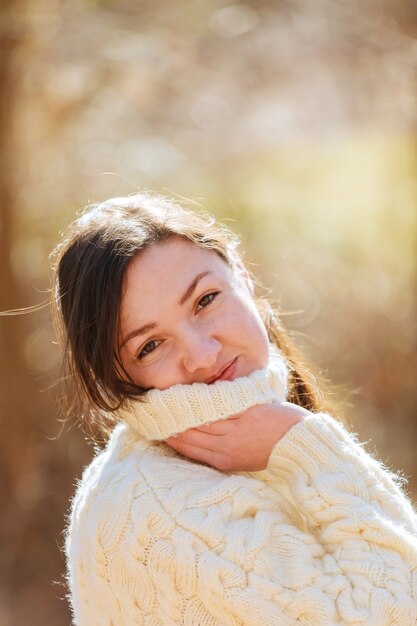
point(167, 266)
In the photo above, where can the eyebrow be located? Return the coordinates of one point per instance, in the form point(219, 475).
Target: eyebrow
point(147, 327)
point(192, 287)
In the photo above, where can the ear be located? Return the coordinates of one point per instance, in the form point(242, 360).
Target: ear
point(242, 271)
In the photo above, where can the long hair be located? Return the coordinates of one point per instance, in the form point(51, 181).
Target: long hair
point(89, 265)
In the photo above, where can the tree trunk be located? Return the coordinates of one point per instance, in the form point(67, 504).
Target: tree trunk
point(18, 396)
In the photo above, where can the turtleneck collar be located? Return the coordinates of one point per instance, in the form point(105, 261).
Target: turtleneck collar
point(162, 413)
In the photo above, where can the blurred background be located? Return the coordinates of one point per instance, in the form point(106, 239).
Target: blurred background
point(294, 121)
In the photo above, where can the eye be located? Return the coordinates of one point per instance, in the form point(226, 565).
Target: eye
point(148, 348)
point(207, 299)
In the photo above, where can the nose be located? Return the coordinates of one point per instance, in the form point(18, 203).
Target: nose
point(200, 352)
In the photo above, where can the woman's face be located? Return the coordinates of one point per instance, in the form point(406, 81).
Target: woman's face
point(186, 316)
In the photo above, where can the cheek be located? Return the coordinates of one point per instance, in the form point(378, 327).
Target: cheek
point(244, 320)
point(161, 374)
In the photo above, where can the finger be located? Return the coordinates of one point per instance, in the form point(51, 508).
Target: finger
point(220, 427)
point(198, 438)
point(296, 408)
point(193, 452)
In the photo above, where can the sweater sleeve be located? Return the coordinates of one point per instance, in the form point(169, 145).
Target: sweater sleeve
point(358, 512)
point(337, 485)
point(357, 564)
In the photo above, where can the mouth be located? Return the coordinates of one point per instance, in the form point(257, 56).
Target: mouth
point(227, 373)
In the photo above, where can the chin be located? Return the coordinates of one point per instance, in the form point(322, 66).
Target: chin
point(251, 367)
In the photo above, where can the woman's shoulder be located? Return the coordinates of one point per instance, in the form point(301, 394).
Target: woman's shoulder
point(116, 470)
point(127, 469)
point(129, 458)
point(117, 491)
point(134, 479)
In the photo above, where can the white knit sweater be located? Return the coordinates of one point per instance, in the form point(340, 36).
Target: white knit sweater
point(323, 536)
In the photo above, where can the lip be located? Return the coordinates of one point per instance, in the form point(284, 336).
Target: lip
point(224, 373)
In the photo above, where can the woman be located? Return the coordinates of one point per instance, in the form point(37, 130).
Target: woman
point(226, 493)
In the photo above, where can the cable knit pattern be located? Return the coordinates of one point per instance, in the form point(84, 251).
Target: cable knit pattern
point(324, 536)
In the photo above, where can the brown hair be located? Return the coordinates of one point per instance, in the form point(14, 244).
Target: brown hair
point(89, 267)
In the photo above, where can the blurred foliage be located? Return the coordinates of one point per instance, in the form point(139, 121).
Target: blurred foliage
point(293, 121)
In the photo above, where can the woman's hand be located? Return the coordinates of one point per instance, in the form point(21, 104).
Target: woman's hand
point(242, 442)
